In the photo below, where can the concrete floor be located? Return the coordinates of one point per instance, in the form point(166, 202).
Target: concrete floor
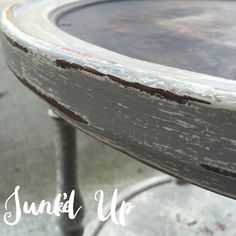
point(27, 158)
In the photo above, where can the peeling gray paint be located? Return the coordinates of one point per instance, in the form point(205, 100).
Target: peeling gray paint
point(194, 141)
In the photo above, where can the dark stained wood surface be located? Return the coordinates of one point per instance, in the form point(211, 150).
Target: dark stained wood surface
point(198, 36)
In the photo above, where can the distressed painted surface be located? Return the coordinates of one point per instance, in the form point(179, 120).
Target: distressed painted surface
point(180, 122)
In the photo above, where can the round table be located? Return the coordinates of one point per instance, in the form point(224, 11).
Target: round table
point(153, 79)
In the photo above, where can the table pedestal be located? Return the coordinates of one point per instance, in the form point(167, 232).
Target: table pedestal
point(65, 148)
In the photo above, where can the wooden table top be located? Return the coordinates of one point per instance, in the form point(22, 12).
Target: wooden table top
point(198, 36)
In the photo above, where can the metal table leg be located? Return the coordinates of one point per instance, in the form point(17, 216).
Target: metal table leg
point(65, 147)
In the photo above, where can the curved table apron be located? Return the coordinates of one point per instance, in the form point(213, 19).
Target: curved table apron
point(154, 79)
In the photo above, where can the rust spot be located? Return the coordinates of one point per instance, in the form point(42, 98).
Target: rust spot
point(52, 101)
point(218, 170)
point(192, 223)
point(221, 226)
point(68, 65)
point(143, 88)
point(16, 44)
point(207, 231)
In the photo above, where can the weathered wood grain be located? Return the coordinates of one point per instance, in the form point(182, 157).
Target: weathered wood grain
point(178, 121)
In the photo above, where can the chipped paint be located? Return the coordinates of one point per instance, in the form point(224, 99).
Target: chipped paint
point(143, 88)
point(16, 44)
point(219, 170)
point(51, 101)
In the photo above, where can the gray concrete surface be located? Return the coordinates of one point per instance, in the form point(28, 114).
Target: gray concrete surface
point(27, 158)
